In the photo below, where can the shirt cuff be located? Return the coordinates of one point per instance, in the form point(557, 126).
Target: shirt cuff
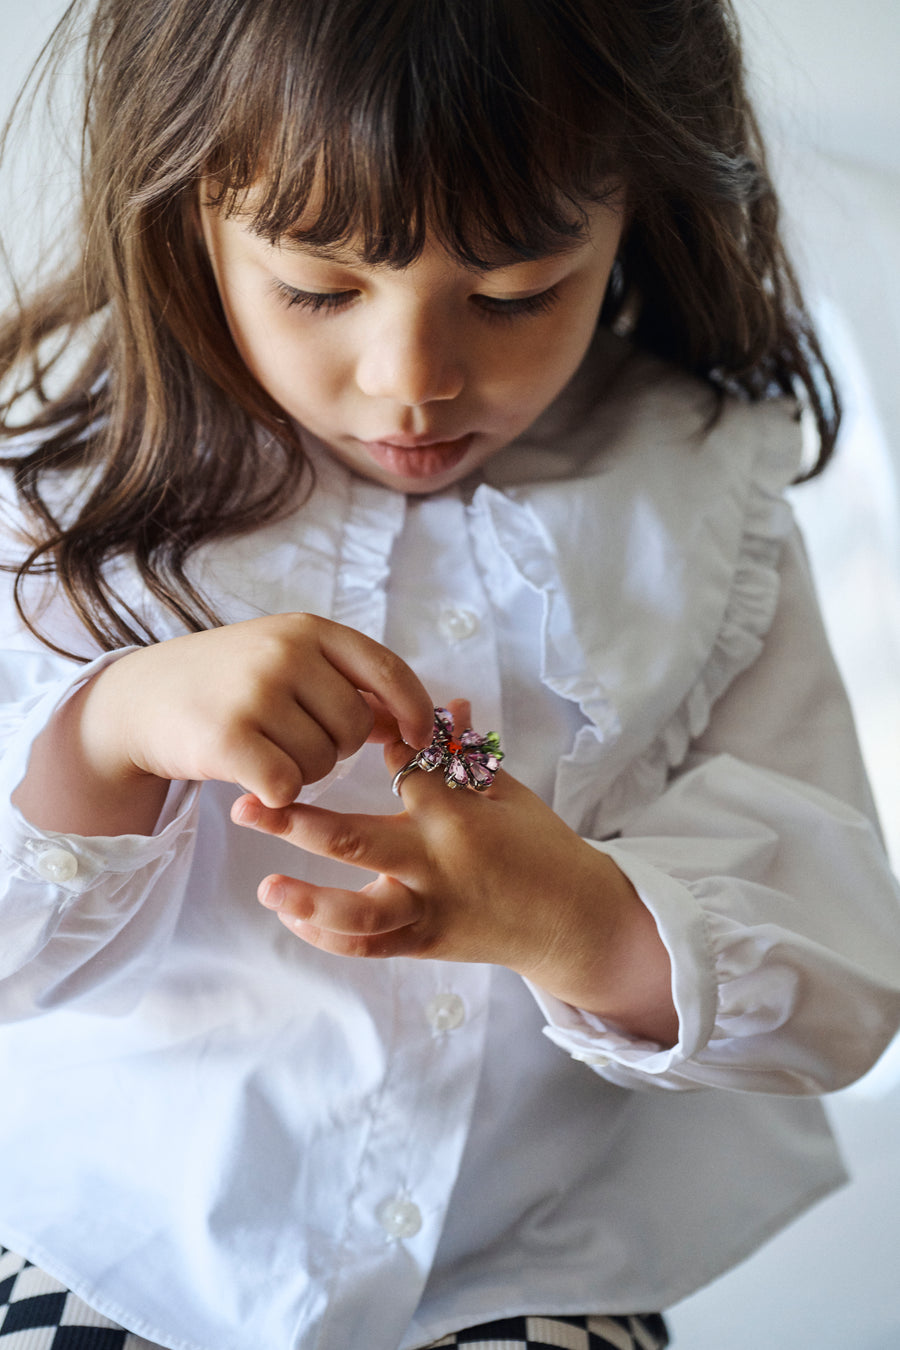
point(72, 862)
point(684, 931)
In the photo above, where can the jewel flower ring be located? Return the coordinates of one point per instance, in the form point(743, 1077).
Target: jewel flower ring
point(468, 760)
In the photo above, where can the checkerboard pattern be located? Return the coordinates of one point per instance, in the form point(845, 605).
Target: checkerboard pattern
point(645, 1331)
point(39, 1313)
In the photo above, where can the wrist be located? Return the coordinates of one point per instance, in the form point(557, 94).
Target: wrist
point(81, 778)
point(612, 962)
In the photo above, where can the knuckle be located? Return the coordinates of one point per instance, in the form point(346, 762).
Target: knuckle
point(390, 667)
point(280, 788)
point(318, 759)
point(270, 649)
point(364, 920)
point(385, 668)
point(346, 844)
point(220, 743)
point(355, 728)
point(302, 622)
point(369, 947)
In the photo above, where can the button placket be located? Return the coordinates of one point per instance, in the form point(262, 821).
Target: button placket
point(57, 864)
point(445, 1012)
point(456, 623)
point(399, 1217)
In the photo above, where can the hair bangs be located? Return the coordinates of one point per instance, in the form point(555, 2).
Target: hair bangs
point(448, 127)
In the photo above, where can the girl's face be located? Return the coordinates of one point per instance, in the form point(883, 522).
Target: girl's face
point(411, 376)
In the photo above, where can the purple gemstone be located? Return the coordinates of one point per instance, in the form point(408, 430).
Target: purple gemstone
point(480, 775)
point(443, 724)
point(456, 774)
point(430, 758)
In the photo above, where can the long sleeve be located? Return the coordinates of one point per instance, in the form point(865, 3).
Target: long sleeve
point(763, 867)
point(83, 920)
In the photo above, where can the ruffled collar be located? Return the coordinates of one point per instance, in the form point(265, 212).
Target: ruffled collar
point(655, 552)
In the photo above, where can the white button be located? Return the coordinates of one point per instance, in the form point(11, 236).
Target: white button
point(457, 624)
point(446, 1012)
point(57, 864)
point(400, 1218)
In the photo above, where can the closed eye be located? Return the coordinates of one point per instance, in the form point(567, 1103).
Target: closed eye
point(504, 310)
point(315, 301)
point(492, 307)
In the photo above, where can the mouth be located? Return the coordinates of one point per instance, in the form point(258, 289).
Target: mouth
point(418, 457)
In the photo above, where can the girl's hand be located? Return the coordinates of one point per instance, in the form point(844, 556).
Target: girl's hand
point(269, 704)
point(464, 876)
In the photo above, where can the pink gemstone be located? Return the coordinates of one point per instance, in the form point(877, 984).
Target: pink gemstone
point(456, 772)
point(480, 775)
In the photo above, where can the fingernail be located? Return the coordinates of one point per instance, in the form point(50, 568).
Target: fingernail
point(246, 811)
point(271, 894)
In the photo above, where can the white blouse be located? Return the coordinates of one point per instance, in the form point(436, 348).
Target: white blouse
point(225, 1139)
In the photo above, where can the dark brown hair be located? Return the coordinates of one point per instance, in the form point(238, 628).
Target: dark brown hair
point(490, 122)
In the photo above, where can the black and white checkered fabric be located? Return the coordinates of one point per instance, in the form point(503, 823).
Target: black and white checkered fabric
point(646, 1331)
point(39, 1313)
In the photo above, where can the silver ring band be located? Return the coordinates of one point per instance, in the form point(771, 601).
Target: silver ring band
point(403, 773)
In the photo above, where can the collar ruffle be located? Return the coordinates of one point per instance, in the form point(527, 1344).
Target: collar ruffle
point(657, 566)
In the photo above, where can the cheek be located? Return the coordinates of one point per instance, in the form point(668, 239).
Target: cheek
point(287, 361)
point(551, 356)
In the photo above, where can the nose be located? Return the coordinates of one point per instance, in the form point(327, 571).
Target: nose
point(411, 362)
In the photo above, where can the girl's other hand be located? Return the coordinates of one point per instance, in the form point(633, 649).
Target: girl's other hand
point(270, 704)
point(463, 876)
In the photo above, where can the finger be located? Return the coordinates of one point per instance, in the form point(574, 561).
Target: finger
point(460, 709)
point(374, 669)
point(304, 737)
point(384, 724)
point(330, 716)
point(379, 908)
point(379, 946)
point(376, 843)
point(264, 769)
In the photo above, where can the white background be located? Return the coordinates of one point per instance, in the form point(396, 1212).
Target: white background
point(827, 76)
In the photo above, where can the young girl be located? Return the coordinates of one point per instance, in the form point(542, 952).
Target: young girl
point(427, 355)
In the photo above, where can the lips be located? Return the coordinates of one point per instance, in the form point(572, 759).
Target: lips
point(418, 457)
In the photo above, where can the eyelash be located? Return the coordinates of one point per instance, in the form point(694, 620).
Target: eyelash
point(503, 311)
point(492, 308)
point(312, 300)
